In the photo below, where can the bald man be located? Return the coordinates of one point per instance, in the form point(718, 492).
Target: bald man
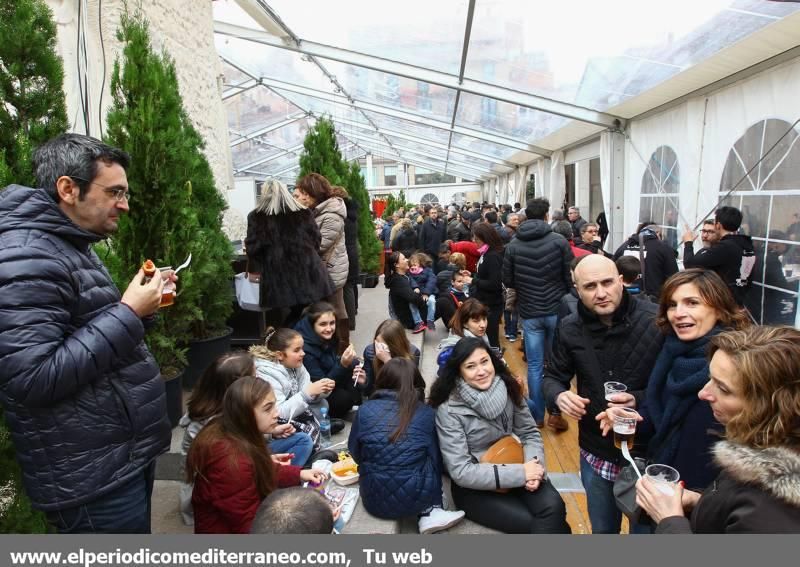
point(612, 337)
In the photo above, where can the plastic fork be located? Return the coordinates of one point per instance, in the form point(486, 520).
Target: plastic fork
point(185, 263)
point(627, 454)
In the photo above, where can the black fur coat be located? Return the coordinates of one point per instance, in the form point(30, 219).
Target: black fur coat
point(284, 249)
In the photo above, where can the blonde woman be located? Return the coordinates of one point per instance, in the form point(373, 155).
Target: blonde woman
point(282, 252)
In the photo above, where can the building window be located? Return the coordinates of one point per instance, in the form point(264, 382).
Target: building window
point(424, 100)
point(769, 198)
point(374, 175)
point(429, 199)
point(390, 175)
point(424, 176)
point(659, 197)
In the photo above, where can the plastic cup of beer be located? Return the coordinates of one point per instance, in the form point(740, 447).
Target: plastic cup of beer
point(624, 420)
point(664, 477)
point(613, 388)
point(168, 293)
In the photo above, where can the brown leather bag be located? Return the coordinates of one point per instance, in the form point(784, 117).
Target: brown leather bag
point(505, 451)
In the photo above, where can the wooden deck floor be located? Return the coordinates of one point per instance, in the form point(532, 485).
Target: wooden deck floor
point(561, 449)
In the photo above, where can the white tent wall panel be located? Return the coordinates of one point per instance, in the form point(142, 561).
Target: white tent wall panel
point(728, 114)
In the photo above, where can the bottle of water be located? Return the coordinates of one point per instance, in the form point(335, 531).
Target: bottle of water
point(324, 428)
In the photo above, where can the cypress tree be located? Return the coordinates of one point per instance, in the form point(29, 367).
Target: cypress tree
point(321, 155)
point(32, 110)
point(369, 247)
point(32, 105)
point(176, 209)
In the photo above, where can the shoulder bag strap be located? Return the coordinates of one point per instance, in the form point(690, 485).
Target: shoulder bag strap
point(641, 260)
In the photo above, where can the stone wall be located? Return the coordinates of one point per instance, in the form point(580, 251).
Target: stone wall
point(184, 28)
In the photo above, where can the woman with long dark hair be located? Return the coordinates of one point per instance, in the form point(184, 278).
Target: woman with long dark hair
point(390, 341)
point(231, 466)
point(394, 442)
point(487, 284)
point(282, 247)
point(401, 294)
point(754, 391)
point(477, 404)
point(322, 360)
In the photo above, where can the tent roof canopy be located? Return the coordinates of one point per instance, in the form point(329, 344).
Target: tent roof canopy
point(473, 88)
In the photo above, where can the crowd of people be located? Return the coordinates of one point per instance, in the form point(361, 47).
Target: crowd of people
point(715, 396)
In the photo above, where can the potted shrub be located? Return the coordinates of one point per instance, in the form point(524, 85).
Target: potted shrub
point(175, 209)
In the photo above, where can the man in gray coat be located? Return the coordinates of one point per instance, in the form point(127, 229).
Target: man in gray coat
point(84, 399)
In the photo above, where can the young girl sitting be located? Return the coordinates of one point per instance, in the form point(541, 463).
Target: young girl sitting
point(423, 282)
point(390, 342)
point(394, 442)
point(206, 404)
point(318, 329)
point(280, 362)
point(470, 320)
point(231, 466)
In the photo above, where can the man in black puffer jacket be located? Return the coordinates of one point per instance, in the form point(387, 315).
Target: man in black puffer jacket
point(536, 264)
point(612, 337)
point(84, 399)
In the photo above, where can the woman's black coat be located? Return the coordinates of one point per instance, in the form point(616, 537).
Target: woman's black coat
point(284, 249)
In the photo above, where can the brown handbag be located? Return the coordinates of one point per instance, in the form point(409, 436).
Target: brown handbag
point(505, 451)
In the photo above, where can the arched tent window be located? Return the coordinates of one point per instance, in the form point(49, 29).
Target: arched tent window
point(459, 198)
point(659, 196)
point(769, 198)
point(429, 199)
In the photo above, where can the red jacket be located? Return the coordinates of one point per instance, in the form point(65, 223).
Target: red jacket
point(578, 252)
point(225, 498)
point(470, 251)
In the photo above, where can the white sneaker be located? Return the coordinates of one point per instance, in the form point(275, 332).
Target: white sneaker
point(439, 520)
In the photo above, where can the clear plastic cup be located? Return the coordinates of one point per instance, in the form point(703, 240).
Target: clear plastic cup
point(624, 425)
point(664, 476)
point(613, 388)
point(168, 292)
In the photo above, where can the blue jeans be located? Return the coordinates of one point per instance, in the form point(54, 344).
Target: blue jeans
point(124, 510)
point(299, 443)
point(431, 310)
point(511, 320)
point(538, 334)
point(603, 512)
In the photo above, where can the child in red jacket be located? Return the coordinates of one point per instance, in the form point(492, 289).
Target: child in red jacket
point(231, 466)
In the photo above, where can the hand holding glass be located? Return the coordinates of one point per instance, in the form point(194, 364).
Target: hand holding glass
point(664, 478)
point(624, 425)
point(613, 388)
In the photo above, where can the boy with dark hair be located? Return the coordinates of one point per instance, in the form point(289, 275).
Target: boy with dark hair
point(630, 268)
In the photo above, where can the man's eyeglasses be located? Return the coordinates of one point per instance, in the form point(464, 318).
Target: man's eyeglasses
point(708, 231)
point(118, 193)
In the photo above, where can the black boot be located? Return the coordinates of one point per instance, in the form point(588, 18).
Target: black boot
point(336, 425)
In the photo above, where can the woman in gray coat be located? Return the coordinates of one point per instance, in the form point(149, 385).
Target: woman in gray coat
point(315, 192)
point(478, 403)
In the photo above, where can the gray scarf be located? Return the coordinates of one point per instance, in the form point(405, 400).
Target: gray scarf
point(487, 403)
